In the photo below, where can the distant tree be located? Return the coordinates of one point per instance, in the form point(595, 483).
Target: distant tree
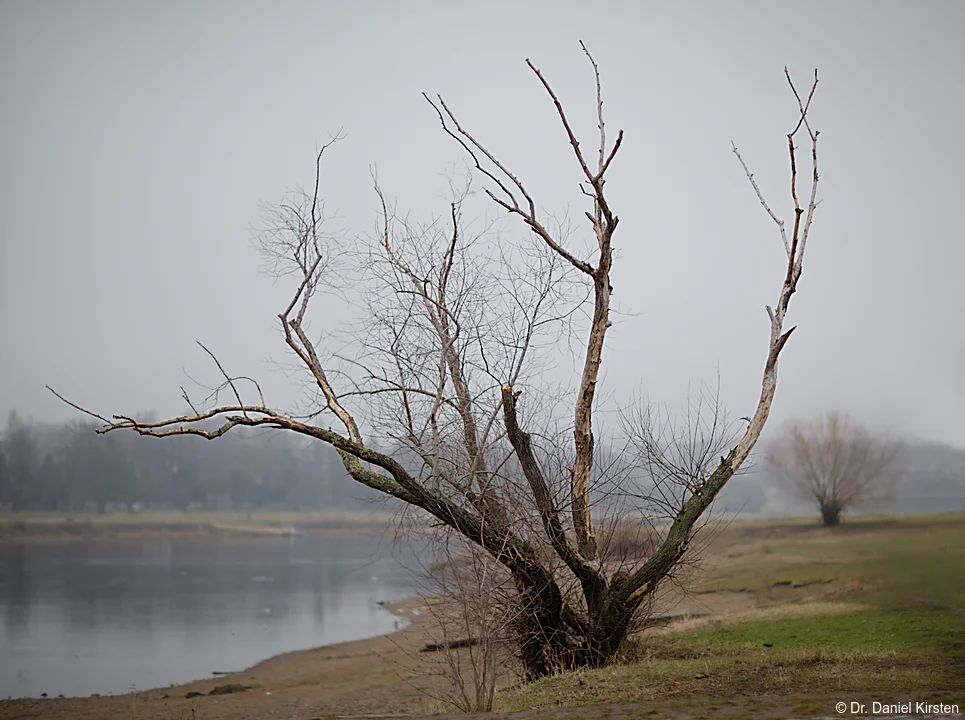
point(835, 463)
point(51, 490)
point(5, 480)
point(97, 471)
point(22, 460)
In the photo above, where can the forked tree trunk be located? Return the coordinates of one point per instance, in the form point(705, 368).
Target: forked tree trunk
point(547, 643)
point(539, 628)
point(546, 646)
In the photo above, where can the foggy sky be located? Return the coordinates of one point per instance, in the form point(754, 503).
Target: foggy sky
point(139, 140)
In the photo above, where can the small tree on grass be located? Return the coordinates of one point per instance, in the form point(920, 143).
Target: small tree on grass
point(836, 463)
point(447, 368)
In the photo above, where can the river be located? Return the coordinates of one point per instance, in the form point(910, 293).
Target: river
point(110, 618)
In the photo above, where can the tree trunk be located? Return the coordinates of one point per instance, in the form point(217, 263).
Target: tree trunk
point(830, 515)
point(548, 643)
point(545, 646)
point(541, 632)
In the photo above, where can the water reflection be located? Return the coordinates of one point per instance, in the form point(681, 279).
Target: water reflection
point(106, 618)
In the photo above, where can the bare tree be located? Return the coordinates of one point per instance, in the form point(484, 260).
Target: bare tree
point(460, 324)
point(835, 462)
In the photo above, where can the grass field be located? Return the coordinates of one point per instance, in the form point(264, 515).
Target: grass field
point(873, 610)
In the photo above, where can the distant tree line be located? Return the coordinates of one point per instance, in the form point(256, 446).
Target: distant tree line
point(68, 467)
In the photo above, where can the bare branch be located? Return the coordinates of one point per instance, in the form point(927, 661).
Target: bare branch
point(760, 196)
point(78, 407)
point(230, 382)
point(529, 214)
point(544, 499)
point(680, 530)
point(566, 124)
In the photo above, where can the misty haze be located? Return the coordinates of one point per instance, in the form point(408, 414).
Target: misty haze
point(386, 358)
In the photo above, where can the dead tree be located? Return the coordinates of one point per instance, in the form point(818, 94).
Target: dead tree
point(447, 369)
point(836, 463)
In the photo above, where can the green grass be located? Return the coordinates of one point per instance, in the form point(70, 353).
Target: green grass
point(875, 606)
point(898, 559)
point(918, 630)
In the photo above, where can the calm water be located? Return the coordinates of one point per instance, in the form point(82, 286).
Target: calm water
point(110, 618)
